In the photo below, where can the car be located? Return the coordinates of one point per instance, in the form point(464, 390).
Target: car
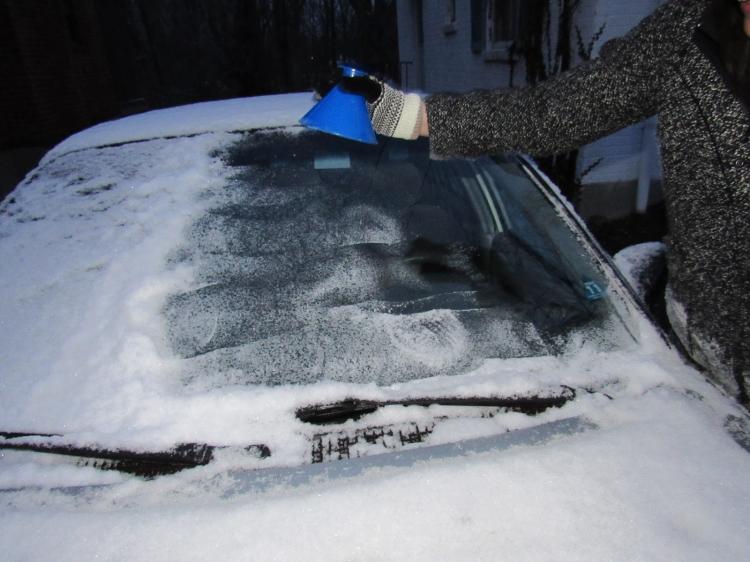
point(225, 335)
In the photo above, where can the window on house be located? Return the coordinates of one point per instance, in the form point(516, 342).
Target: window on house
point(477, 26)
point(503, 21)
point(450, 11)
point(497, 27)
point(420, 26)
point(449, 27)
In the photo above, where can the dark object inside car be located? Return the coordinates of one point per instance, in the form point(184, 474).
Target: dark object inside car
point(334, 260)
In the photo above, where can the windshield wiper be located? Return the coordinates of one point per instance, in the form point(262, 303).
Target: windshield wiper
point(147, 464)
point(355, 408)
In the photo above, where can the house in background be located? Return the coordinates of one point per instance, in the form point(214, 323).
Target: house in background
point(460, 45)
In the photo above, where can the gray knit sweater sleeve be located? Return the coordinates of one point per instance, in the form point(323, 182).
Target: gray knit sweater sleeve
point(622, 87)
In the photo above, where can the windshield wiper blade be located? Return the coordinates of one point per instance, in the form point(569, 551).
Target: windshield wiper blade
point(147, 464)
point(355, 408)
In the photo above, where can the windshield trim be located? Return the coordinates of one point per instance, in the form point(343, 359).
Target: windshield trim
point(625, 291)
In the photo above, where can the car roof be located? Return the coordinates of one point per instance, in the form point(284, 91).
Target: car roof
point(240, 114)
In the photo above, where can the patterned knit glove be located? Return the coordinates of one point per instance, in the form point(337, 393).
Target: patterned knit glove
point(393, 113)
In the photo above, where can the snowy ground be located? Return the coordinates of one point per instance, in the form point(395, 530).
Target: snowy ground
point(85, 250)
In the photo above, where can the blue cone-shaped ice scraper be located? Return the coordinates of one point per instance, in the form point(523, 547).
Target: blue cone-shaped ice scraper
point(342, 114)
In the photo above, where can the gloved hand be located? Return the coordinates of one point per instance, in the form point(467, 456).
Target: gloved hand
point(393, 113)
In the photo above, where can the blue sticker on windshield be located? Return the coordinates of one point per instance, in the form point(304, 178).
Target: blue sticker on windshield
point(593, 291)
point(340, 161)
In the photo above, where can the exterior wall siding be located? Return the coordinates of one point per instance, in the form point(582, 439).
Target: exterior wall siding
point(621, 153)
point(444, 62)
point(447, 62)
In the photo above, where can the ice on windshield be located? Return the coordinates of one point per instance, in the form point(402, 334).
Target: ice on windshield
point(324, 259)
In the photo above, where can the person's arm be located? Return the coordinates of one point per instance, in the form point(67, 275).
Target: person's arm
point(424, 126)
point(625, 85)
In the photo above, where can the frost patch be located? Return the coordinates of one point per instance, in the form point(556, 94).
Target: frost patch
point(436, 338)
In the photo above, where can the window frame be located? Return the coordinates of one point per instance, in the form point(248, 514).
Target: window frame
point(503, 49)
point(449, 25)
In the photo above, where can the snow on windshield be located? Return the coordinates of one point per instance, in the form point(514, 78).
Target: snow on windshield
point(96, 245)
point(122, 282)
point(83, 245)
point(91, 250)
point(326, 260)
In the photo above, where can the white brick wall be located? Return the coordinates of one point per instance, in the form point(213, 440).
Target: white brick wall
point(445, 63)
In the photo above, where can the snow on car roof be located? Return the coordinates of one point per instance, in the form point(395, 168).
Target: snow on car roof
point(238, 114)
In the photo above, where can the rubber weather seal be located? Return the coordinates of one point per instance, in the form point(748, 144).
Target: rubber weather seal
point(355, 408)
point(146, 464)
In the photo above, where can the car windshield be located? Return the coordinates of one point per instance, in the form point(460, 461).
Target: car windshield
point(326, 259)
